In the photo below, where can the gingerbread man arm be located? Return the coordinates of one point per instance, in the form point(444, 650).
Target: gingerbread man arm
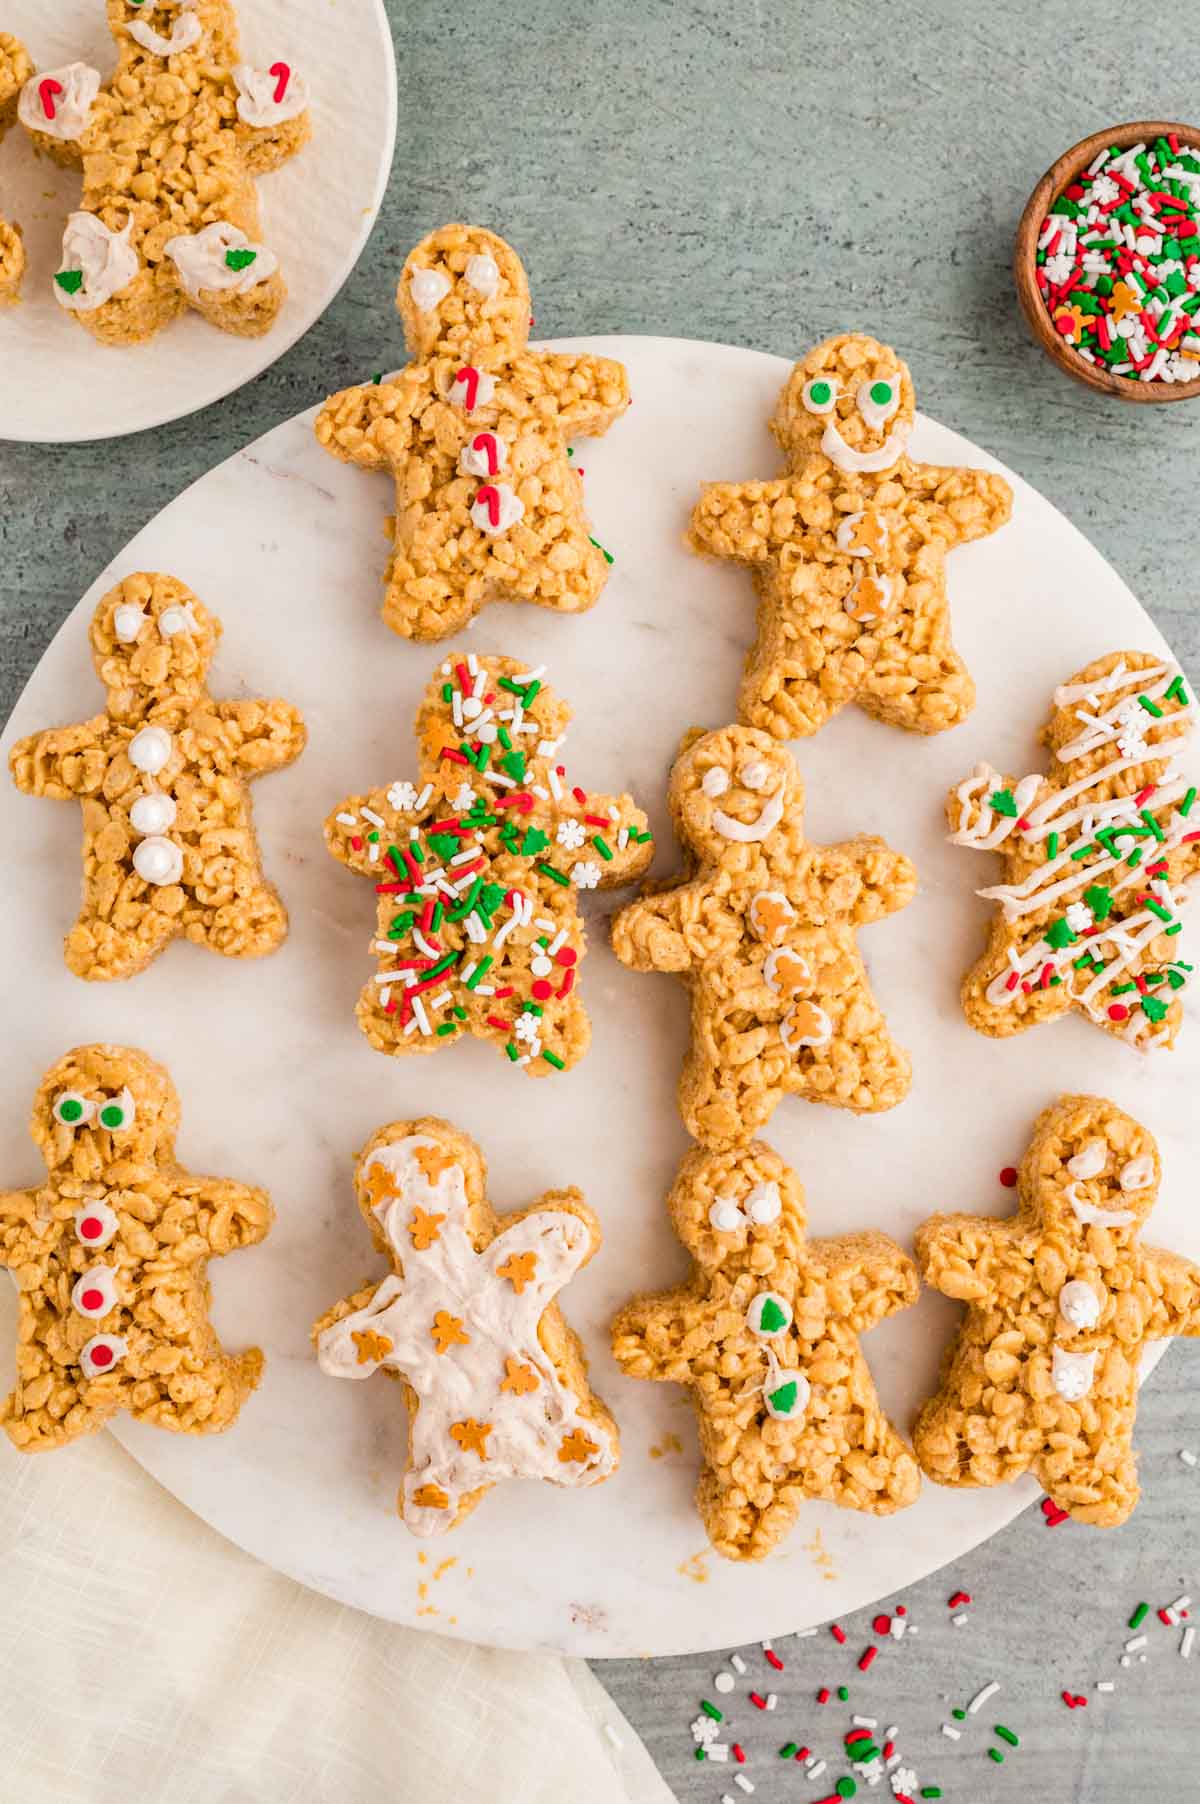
point(954, 1253)
point(269, 147)
point(862, 880)
point(347, 829)
point(974, 819)
point(870, 1277)
point(660, 1335)
point(370, 426)
point(648, 935)
point(263, 735)
point(957, 504)
point(63, 763)
point(18, 1213)
point(582, 393)
point(231, 1215)
point(748, 521)
point(1175, 1287)
point(618, 863)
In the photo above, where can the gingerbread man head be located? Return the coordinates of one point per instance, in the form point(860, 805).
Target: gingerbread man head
point(739, 1211)
point(102, 1110)
point(1111, 1181)
point(152, 639)
point(463, 293)
point(735, 786)
point(850, 400)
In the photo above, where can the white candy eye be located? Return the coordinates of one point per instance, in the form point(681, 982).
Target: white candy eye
point(483, 275)
point(755, 775)
point(73, 1109)
point(725, 1216)
point(127, 622)
point(428, 287)
point(118, 1112)
point(101, 1354)
point(763, 1205)
point(820, 395)
point(715, 781)
point(176, 620)
point(878, 400)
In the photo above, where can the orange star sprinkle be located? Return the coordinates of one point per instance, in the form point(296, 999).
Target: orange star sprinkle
point(371, 1346)
point(518, 1268)
point(518, 1379)
point(471, 1435)
point(430, 1497)
point(424, 1228)
point(381, 1185)
point(434, 1160)
point(447, 1331)
point(577, 1447)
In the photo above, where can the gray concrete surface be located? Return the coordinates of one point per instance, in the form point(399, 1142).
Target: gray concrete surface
point(765, 174)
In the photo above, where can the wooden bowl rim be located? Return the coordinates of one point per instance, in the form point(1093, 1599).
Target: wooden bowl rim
point(1060, 174)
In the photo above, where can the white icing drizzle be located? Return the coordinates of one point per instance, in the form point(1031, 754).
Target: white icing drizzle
point(106, 260)
point(987, 830)
point(1102, 729)
point(257, 105)
point(158, 860)
point(509, 509)
point(754, 774)
point(428, 287)
point(1090, 1161)
point(1073, 1374)
point(715, 781)
point(1078, 1304)
point(79, 84)
point(483, 275)
point(186, 32)
point(200, 258)
point(528, 1429)
point(1138, 1174)
point(864, 463)
point(746, 832)
point(150, 750)
point(1089, 1216)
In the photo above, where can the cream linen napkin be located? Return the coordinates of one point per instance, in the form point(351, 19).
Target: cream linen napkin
point(143, 1657)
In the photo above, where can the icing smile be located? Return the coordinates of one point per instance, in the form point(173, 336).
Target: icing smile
point(864, 462)
point(766, 820)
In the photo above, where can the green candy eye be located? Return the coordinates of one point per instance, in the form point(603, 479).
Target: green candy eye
point(820, 395)
point(117, 1113)
point(878, 401)
point(72, 1108)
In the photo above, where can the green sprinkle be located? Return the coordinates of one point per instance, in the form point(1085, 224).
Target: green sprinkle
point(397, 861)
point(1150, 707)
point(443, 964)
point(1085, 852)
point(1004, 803)
point(443, 845)
point(1185, 807)
point(1135, 857)
point(996, 1755)
point(533, 1008)
point(460, 1012)
point(513, 764)
point(1007, 1734)
point(502, 736)
point(531, 692)
point(447, 1027)
point(548, 870)
point(1099, 900)
point(606, 555)
point(788, 1750)
point(1156, 908)
point(931, 1791)
point(845, 1788)
point(479, 971)
point(373, 839)
point(552, 1058)
point(960, 1716)
point(843, 1693)
point(513, 688)
point(512, 1052)
point(711, 1710)
point(484, 758)
point(1052, 846)
point(1177, 692)
point(1154, 1008)
point(1059, 935)
point(534, 841)
point(376, 379)
point(402, 924)
point(1152, 824)
point(601, 846)
point(70, 280)
point(240, 259)
point(1168, 931)
point(447, 690)
point(700, 1754)
point(435, 921)
point(1122, 989)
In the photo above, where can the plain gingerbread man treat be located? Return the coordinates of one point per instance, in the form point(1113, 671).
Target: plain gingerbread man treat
point(1061, 1298)
point(474, 430)
point(494, 1379)
point(109, 1254)
point(763, 930)
point(765, 1334)
point(169, 147)
point(848, 552)
point(477, 868)
point(1095, 858)
point(162, 777)
point(15, 71)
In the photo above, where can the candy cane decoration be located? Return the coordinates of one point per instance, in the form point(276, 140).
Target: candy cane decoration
point(283, 76)
point(486, 442)
point(469, 377)
point(489, 496)
point(47, 89)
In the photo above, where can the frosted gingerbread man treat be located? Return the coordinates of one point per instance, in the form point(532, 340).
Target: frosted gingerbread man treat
point(848, 551)
point(474, 429)
point(763, 930)
point(494, 1379)
point(1096, 854)
point(1061, 1301)
point(15, 71)
point(477, 868)
point(765, 1334)
point(110, 1252)
point(162, 778)
point(169, 147)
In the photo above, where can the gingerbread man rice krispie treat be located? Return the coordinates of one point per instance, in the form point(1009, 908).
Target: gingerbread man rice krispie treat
point(765, 1334)
point(162, 777)
point(494, 1379)
point(1061, 1299)
point(763, 930)
point(170, 147)
point(109, 1254)
point(848, 551)
point(474, 429)
point(15, 71)
point(1096, 855)
point(477, 867)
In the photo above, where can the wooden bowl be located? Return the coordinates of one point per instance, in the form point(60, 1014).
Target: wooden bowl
point(1059, 176)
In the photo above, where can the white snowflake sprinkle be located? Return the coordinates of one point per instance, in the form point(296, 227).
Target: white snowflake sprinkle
point(528, 1027)
point(571, 834)
point(904, 1780)
point(402, 796)
point(586, 874)
point(464, 798)
point(1079, 917)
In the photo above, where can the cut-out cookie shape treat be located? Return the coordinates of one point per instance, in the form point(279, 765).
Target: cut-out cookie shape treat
point(764, 933)
point(109, 1254)
point(1096, 855)
point(162, 778)
point(15, 71)
point(169, 147)
point(765, 1333)
point(1061, 1300)
point(848, 551)
point(494, 1379)
point(474, 429)
point(477, 867)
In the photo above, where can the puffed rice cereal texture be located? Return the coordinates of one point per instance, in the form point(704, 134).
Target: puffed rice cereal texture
point(15, 70)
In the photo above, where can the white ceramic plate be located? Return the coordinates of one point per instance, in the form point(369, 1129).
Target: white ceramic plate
point(59, 385)
point(279, 1087)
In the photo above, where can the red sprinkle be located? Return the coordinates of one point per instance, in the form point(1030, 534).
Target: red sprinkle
point(1053, 1514)
point(802, 1753)
point(760, 1703)
point(901, 1610)
point(882, 1625)
point(356, 844)
point(960, 1597)
point(1008, 1177)
point(823, 1695)
point(579, 794)
point(739, 1754)
point(495, 1021)
point(772, 1656)
point(838, 1632)
point(1117, 1011)
point(867, 1658)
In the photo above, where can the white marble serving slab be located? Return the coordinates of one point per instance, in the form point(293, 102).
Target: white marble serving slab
point(58, 385)
point(279, 1087)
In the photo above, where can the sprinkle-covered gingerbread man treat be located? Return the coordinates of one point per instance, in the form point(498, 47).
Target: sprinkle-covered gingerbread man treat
point(764, 933)
point(474, 429)
point(1096, 855)
point(15, 71)
point(494, 1379)
point(1061, 1300)
point(170, 147)
point(477, 867)
point(162, 777)
point(109, 1253)
point(765, 1333)
point(848, 551)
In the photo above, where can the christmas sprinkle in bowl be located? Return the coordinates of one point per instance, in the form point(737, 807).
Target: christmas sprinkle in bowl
point(1107, 261)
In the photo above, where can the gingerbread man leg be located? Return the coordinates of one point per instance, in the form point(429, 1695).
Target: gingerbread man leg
point(1095, 1486)
point(791, 686)
point(745, 1514)
point(249, 927)
point(924, 687)
point(201, 1397)
point(112, 949)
